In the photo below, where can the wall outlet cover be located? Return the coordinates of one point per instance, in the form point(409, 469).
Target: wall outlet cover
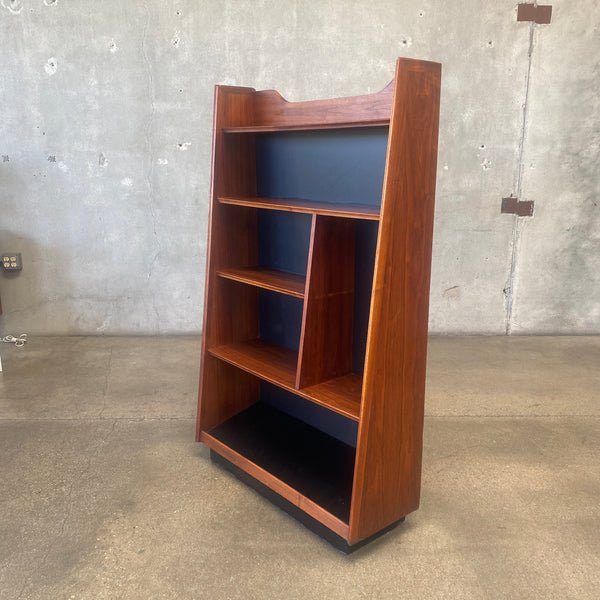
point(11, 261)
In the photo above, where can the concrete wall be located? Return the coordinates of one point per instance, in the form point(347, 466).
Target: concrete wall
point(105, 129)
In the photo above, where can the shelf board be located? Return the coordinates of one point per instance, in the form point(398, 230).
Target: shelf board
point(341, 394)
point(263, 359)
point(317, 466)
point(278, 366)
point(278, 281)
point(308, 126)
point(351, 211)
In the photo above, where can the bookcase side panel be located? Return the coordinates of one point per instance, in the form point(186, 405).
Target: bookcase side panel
point(388, 468)
point(228, 391)
point(231, 239)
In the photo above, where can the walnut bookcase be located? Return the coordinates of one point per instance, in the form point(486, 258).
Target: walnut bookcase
point(317, 291)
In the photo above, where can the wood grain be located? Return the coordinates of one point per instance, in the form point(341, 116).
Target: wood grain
point(272, 110)
point(263, 359)
point(388, 467)
point(231, 236)
point(270, 279)
point(326, 339)
point(341, 395)
point(350, 211)
point(308, 126)
point(231, 391)
point(278, 366)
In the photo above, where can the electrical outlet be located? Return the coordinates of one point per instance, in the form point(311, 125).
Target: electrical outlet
point(11, 261)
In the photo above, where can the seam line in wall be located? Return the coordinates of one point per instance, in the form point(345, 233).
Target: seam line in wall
point(509, 289)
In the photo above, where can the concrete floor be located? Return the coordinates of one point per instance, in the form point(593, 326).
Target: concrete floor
point(104, 493)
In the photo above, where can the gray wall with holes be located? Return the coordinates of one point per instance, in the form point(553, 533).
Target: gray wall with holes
point(105, 136)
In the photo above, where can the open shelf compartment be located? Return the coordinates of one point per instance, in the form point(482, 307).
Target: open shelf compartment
point(317, 466)
point(278, 365)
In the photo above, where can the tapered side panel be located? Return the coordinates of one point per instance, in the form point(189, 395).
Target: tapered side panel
point(231, 241)
point(326, 338)
point(235, 390)
point(388, 467)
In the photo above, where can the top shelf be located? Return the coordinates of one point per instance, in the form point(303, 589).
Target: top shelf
point(308, 126)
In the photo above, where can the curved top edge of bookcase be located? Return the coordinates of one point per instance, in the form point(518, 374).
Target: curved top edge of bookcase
point(269, 109)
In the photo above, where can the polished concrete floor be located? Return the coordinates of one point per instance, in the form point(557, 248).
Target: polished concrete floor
point(104, 494)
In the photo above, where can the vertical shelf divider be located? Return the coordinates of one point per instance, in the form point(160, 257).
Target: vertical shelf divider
point(326, 337)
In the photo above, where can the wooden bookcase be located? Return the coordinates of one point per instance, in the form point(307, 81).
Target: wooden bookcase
point(317, 291)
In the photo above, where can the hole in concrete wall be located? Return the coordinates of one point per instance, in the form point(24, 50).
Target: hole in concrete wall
point(490, 43)
point(421, 13)
point(5, 158)
point(15, 6)
point(482, 147)
point(51, 66)
point(52, 158)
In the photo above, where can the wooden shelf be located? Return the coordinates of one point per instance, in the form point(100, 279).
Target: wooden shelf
point(341, 394)
point(308, 126)
point(278, 366)
point(263, 359)
point(270, 279)
point(350, 211)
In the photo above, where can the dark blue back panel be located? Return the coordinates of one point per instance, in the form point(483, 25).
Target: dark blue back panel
point(365, 247)
point(280, 319)
point(283, 240)
point(340, 165)
point(332, 423)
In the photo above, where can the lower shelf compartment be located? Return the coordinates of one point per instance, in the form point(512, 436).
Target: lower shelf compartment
point(337, 541)
point(317, 466)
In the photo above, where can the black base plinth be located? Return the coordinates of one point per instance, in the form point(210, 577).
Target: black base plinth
point(309, 522)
